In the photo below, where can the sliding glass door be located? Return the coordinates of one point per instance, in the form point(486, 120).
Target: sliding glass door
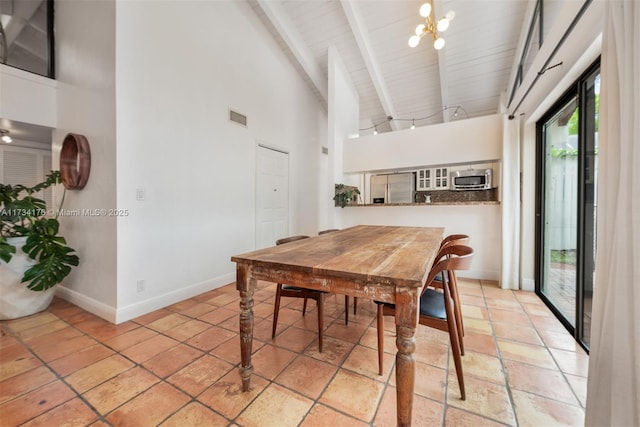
point(566, 205)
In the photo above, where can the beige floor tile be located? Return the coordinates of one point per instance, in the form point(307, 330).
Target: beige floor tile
point(430, 381)
point(168, 322)
point(73, 362)
point(334, 351)
point(226, 396)
point(350, 333)
point(544, 382)
point(270, 360)
point(211, 338)
point(478, 326)
point(483, 398)
point(130, 338)
point(24, 323)
point(145, 350)
point(579, 387)
point(194, 378)
point(152, 317)
point(218, 315)
point(538, 411)
point(97, 373)
point(503, 304)
point(571, 362)
point(353, 394)
point(526, 353)
point(518, 318)
point(195, 414)
point(34, 403)
point(15, 360)
point(521, 333)
point(307, 376)
point(71, 413)
point(480, 343)
point(320, 415)
point(198, 310)
point(475, 300)
point(163, 398)
point(364, 361)
point(45, 342)
point(172, 360)
point(276, 406)
point(230, 349)
point(294, 339)
point(474, 311)
point(55, 351)
point(432, 353)
point(455, 417)
point(482, 366)
point(44, 329)
point(187, 330)
point(425, 412)
point(25, 382)
point(528, 297)
point(118, 390)
point(561, 340)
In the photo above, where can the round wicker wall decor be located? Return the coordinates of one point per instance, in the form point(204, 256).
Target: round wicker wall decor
point(75, 161)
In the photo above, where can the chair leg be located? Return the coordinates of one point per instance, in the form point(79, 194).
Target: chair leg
point(320, 319)
point(304, 306)
point(380, 339)
point(346, 309)
point(457, 309)
point(276, 310)
point(455, 348)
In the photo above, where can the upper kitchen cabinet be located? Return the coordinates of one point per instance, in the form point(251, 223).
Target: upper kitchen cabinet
point(462, 141)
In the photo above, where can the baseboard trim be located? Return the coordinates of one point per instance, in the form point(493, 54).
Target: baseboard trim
point(528, 284)
point(91, 305)
point(147, 306)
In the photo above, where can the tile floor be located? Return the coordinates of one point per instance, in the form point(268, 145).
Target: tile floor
point(178, 367)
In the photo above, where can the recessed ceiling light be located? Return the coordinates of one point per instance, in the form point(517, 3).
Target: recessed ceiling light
point(5, 136)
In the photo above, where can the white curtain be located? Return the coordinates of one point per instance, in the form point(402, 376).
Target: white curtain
point(510, 202)
point(613, 388)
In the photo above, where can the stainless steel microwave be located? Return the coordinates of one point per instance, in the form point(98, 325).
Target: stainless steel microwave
point(472, 179)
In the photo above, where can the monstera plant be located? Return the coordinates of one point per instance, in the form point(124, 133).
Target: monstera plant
point(23, 215)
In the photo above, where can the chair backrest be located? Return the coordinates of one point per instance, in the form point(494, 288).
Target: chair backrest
point(331, 230)
point(451, 240)
point(290, 239)
point(454, 257)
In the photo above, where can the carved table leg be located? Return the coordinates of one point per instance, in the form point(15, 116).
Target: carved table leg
point(406, 322)
point(246, 286)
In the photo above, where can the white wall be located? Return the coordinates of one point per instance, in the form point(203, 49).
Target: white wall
point(344, 112)
point(27, 97)
point(180, 67)
point(85, 62)
point(452, 142)
point(481, 222)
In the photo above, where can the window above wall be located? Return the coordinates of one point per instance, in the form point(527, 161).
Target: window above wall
point(26, 35)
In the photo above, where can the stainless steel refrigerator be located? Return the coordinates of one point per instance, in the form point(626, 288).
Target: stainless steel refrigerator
point(392, 188)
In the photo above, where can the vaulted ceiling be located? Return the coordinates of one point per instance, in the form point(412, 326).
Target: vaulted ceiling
point(464, 79)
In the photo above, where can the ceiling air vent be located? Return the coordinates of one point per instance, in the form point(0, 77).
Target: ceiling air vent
point(238, 118)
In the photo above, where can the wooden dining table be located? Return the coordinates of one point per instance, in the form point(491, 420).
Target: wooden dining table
point(383, 263)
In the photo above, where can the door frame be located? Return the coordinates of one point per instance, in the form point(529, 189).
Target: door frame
point(259, 145)
point(574, 91)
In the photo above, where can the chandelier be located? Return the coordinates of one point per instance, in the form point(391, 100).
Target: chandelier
point(431, 27)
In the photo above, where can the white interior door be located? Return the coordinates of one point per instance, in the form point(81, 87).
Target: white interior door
point(272, 196)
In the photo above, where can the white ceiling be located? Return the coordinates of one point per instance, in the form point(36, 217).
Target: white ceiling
point(392, 79)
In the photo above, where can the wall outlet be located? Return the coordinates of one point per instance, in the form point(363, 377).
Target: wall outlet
point(141, 286)
point(140, 194)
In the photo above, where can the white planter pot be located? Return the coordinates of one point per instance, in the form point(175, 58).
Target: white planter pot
point(16, 300)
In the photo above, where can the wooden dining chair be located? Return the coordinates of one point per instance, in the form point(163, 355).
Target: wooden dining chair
point(450, 240)
point(436, 306)
point(346, 297)
point(297, 292)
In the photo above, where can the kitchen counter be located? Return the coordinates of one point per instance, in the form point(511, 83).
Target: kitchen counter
point(451, 203)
